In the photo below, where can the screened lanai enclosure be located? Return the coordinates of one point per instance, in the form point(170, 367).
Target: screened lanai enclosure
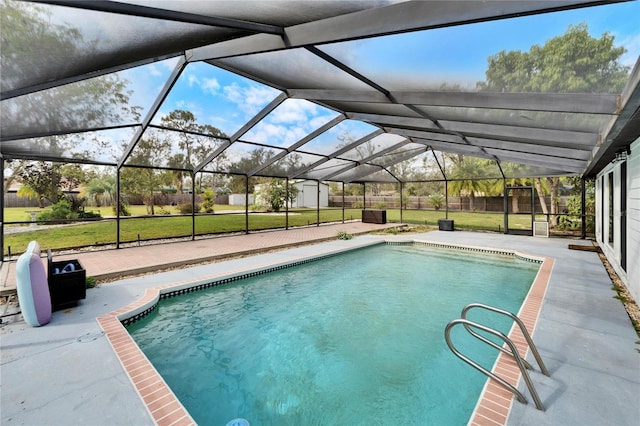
point(443, 106)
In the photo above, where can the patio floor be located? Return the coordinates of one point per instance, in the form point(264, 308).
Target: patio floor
point(67, 373)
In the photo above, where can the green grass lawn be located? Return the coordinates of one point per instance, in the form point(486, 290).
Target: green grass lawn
point(19, 214)
point(170, 226)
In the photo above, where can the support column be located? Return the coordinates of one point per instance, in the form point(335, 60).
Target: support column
point(364, 196)
point(446, 199)
point(505, 203)
point(246, 204)
point(583, 208)
point(342, 202)
point(117, 207)
point(318, 205)
point(286, 204)
point(193, 206)
point(401, 189)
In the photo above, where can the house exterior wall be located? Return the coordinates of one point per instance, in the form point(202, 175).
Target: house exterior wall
point(610, 218)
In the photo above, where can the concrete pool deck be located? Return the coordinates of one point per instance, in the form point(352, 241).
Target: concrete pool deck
point(67, 373)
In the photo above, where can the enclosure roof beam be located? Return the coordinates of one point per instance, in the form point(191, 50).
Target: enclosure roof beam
point(560, 164)
point(298, 144)
point(367, 159)
point(623, 129)
point(8, 94)
point(166, 15)
point(244, 129)
point(155, 107)
point(586, 103)
point(337, 153)
point(396, 161)
point(571, 153)
point(393, 19)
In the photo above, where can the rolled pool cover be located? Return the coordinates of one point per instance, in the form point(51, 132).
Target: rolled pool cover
point(32, 286)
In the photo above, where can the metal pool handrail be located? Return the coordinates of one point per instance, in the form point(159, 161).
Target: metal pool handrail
point(523, 329)
point(518, 359)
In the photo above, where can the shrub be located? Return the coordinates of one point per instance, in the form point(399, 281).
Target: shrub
point(208, 199)
point(124, 211)
point(59, 212)
point(381, 205)
point(437, 201)
point(185, 208)
point(90, 282)
point(574, 220)
point(88, 215)
point(357, 205)
point(344, 235)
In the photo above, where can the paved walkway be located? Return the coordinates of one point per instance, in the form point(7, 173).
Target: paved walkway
point(66, 372)
point(114, 263)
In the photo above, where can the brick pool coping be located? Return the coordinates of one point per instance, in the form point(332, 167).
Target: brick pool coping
point(495, 401)
point(165, 409)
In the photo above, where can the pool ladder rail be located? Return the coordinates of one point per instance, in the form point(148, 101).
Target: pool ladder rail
point(511, 350)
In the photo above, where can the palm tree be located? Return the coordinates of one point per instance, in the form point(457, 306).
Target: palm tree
point(514, 173)
point(30, 193)
point(101, 190)
point(466, 178)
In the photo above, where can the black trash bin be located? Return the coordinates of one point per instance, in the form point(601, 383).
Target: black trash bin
point(374, 216)
point(445, 224)
point(67, 282)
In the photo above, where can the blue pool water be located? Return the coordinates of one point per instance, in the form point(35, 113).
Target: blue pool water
point(351, 339)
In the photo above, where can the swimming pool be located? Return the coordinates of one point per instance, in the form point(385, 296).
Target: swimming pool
point(361, 343)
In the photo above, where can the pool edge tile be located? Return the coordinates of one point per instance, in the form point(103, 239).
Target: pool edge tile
point(115, 337)
point(531, 307)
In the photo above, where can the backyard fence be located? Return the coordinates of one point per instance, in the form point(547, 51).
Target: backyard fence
point(483, 204)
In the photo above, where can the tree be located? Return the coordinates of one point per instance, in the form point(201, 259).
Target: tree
point(102, 190)
point(514, 173)
point(574, 62)
point(273, 192)
point(26, 191)
point(53, 182)
point(256, 158)
point(196, 142)
point(466, 178)
point(146, 181)
point(90, 103)
point(177, 161)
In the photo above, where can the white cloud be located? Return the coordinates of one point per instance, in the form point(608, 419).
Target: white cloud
point(210, 85)
point(294, 111)
point(249, 99)
point(320, 120)
point(192, 80)
point(266, 133)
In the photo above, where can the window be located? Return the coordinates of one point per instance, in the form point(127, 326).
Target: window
point(610, 192)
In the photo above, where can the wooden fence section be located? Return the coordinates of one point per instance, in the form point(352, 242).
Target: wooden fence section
point(485, 204)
